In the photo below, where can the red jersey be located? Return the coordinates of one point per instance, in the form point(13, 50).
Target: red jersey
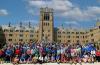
point(17, 52)
point(97, 53)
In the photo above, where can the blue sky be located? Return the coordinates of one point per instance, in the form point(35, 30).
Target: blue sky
point(77, 13)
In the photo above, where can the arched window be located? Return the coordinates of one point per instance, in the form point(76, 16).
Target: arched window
point(46, 17)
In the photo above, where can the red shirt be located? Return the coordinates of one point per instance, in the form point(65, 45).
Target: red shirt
point(17, 52)
point(97, 53)
point(1, 52)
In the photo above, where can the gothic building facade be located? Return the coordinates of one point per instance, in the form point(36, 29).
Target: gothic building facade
point(47, 32)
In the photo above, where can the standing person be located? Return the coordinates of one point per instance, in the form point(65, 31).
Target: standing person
point(58, 58)
point(72, 55)
point(8, 53)
point(93, 54)
point(16, 60)
point(22, 58)
point(29, 60)
point(17, 52)
point(98, 55)
point(1, 55)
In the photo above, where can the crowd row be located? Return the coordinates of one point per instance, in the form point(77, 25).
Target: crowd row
point(49, 52)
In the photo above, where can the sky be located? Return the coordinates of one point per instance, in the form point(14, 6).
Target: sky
point(70, 13)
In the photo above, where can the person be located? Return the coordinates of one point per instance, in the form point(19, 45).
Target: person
point(40, 60)
point(17, 52)
point(1, 55)
point(22, 59)
point(98, 55)
point(16, 60)
point(58, 58)
point(8, 53)
point(29, 60)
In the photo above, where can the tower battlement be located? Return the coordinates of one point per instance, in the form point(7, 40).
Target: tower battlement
point(46, 9)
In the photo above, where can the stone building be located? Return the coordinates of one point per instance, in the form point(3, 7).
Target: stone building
point(47, 32)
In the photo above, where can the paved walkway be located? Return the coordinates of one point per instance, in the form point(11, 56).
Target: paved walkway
point(54, 64)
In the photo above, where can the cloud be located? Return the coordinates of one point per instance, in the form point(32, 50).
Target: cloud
point(26, 22)
point(87, 14)
point(72, 22)
point(32, 21)
point(37, 3)
point(3, 12)
point(65, 9)
point(58, 5)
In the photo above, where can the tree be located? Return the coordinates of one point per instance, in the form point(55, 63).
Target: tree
point(2, 38)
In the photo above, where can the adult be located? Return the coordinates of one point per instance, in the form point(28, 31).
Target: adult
point(98, 55)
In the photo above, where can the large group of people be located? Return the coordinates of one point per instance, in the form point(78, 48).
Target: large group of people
point(48, 52)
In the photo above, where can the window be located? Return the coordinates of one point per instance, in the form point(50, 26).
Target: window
point(43, 30)
point(48, 30)
point(48, 35)
point(17, 30)
point(59, 40)
point(48, 24)
point(77, 32)
point(10, 35)
point(20, 39)
point(91, 35)
point(77, 40)
point(27, 30)
point(46, 17)
point(5, 30)
point(86, 40)
point(91, 30)
point(31, 35)
point(72, 32)
point(31, 39)
point(63, 32)
point(59, 36)
point(42, 34)
point(68, 41)
point(44, 24)
point(68, 36)
point(59, 32)
point(81, 32)
point(92, 40)
point(21, 30)
point(31, 31)
point(37, 31)
point(77, 36)
point(26, 35)
point(21, 35)
point(11, 30)
point(68, 32)
point(9, 39)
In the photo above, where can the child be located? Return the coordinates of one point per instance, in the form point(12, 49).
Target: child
point(58, 58)
point(16, 60)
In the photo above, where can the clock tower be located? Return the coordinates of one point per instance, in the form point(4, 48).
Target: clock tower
point(46, 24)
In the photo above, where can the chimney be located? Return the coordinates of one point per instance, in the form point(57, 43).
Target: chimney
point(9, 24)
point(20, 24)
point(29, 24)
